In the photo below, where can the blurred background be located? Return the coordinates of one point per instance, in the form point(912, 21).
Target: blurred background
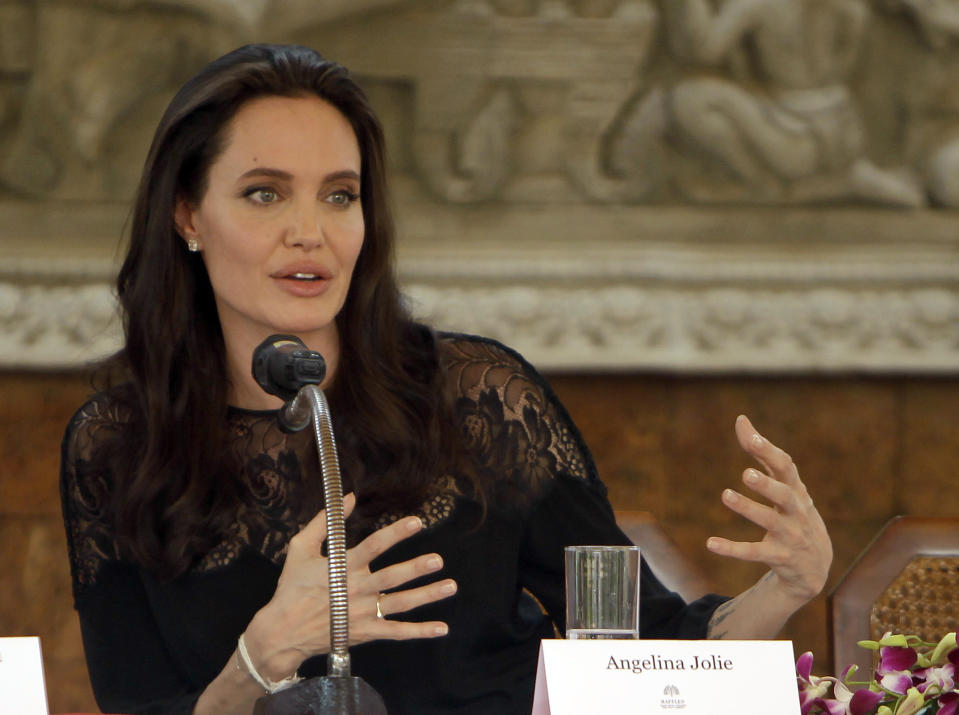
point(679, 211)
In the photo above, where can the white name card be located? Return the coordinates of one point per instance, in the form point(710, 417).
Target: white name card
point(703, 677)
point(22, 690)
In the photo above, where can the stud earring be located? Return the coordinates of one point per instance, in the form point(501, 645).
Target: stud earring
point(193, 245)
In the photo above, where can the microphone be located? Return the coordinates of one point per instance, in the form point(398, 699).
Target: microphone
point(282, 364)
point(285, 367)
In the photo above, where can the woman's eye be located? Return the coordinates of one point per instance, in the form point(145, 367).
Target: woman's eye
point(342, 198)
point(262, 196)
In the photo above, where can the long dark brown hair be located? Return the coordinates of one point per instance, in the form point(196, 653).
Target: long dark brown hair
point(175, 488)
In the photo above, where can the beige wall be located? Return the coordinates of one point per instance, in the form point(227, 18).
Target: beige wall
point(869, 448)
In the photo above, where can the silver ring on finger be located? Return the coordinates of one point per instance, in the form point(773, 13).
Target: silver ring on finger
point(379, 609)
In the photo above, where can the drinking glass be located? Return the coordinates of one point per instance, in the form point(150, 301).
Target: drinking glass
point(602, 592)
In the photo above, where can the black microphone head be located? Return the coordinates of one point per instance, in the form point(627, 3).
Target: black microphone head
point(282, 364)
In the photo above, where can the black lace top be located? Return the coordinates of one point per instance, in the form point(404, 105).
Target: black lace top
point(152, 646)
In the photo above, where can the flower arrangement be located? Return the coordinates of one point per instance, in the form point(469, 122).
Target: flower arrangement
point(913, 677)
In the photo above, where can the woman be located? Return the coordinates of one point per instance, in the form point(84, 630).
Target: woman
point(195, 524)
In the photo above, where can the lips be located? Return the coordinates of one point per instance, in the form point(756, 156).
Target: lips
point(303, 279)
point(303, 270)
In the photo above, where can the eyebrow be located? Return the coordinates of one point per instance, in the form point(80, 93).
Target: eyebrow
point(287, 176)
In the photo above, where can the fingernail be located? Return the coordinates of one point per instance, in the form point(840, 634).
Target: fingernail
point(441, 630)
point(752, 476)
point(757, 441)
point(448, 588)
point(730, 496)
point(712, 543)
point(414, 524)
point(434, 563)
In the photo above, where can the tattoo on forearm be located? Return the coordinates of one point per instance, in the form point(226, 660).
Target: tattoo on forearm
point(720, 615)
point(727, 609)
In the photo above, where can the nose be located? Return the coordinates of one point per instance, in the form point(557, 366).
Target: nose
point(306, 226)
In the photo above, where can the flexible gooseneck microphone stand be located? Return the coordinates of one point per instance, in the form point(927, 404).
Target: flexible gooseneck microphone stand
point(284, 366)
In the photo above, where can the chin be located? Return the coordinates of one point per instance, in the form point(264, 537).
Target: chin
point(304, 327)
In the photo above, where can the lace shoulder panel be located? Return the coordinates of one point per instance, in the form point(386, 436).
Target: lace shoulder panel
point(84, 491)
point(509, 416)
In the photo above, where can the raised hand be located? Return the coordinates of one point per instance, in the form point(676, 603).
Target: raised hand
point(796, 545)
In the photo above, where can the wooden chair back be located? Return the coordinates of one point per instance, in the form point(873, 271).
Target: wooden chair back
point(905, 581)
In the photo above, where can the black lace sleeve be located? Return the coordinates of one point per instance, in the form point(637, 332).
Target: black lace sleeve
point(130, 668)
point(529, 446)
point(84, 493)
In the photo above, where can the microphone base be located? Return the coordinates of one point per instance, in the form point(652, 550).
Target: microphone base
point(328, 695)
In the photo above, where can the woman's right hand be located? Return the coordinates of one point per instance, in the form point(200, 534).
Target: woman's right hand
point(295, 624)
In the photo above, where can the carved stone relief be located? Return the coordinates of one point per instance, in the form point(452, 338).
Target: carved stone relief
point(786, 130)
point(54, 327)
point(934, 108)
point(722, 298)
point(723, 329)
point(512, 100)
point(608, 117)
point(692, 102)
point(104, 69)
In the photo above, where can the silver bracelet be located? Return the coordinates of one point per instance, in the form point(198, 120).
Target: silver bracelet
point(270, 686)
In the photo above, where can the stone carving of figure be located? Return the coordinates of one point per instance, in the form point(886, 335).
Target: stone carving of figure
point(99, 62)
point(511, 98)
point(794, 135)
point(938, 20)
point(95, 62)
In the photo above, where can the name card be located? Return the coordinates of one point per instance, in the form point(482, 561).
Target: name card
point(22, 690)
point(704, 677)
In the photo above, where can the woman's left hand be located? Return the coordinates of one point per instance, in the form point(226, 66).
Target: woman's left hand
point(796, 545)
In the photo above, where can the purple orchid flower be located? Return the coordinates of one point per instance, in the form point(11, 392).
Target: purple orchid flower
point(829, 706)
point(894, 659)
point(898, 682)
point(911, 678)
point(942, 680)
point(811, 688)
point(865, 701)
point(894, 670)
point(949, 704)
